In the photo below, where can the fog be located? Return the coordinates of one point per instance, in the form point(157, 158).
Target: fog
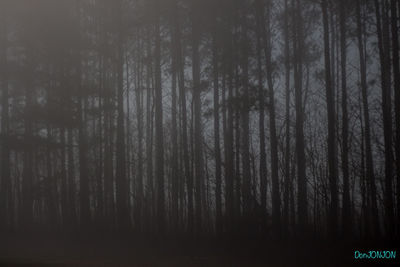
point(173, 133)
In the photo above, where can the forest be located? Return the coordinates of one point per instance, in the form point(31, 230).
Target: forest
point(272, 119)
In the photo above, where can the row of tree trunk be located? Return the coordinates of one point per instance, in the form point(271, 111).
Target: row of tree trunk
point(96, 166)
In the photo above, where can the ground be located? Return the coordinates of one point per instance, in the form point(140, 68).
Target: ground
point(81, 251)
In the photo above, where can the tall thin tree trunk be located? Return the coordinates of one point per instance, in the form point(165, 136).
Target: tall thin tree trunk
point(276, 202)
point(71, 181)
point(139, 114)
point(198, 136)
point(130, 179)
point(332, 153)
point(27, 175)
point(121, 183)
point(159, 142)
point(382, 25)
point(84, 198)
point(286, 198)
point(184, 133)
point(396, 77)
point(174, 132)
point(100, 170)
point(83, 168)
point(149, 131)
point(217, 148)
point(6, 204)
point(244, 115)
point(298, 48)
point(261, 112)
point(346, 209)
point(51, 181)
point(372, 204)
point(64, 189)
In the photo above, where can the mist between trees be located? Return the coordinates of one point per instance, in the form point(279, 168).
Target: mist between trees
point(274, 117)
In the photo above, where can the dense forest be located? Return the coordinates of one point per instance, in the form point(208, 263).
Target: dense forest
point(274, 118)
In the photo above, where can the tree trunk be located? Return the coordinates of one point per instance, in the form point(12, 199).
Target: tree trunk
point(372, 204)
point(64, 186)
point(27, 174)
point(149, 133)
point(198, 136)
point(6, 204)
point(244, 116)
point(330, 101)
point(159, 135)
point(298, 48)
point(346, 209)
point(183, 109)
point(71, 182)
point(121, 183)
point(229, 152)
point(217, 148)
point(396, 77)
point(276, 202)
point(174, 131)
point(382, 24)
point(83, 168)
point(139, 114)
point(261, 112)
point(287, 182)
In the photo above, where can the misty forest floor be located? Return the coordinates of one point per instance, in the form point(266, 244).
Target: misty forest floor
point(80, 251)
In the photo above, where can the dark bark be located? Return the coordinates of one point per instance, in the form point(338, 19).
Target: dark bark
point(287, 182)
point(346, 208)
point(140, 129)
point(217, 146)
point(286, 217)
point(6, 201)
point(298, 48)
point(149, 132)
point(184, 127)
point(84, 198)
point(370, 175)
point(27, 175)
point(198, 136)
point(121, 184)
point(175, 178)
point(71, 182)
point(244, 116)
point(159, 133)
point(261, 113)
point(382, 25)
point(229, 152)
point(332, 153)
point(276, 202)
point(396, 77)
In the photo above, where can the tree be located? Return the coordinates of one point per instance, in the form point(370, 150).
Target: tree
point(330, 101)
point(159, 135)
point(198, 139)
point(346, 210)
point(298, 48)
point(276, 202)
point(6, 205)
point(217, 146)
point(244, 114)
point(370, 175)
point(121, 181)
point(396, 76)
point(382, 24)
point(27, 180)
point(120, 115)
point(261, 119)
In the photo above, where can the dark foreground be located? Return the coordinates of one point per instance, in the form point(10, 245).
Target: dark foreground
point(80, 250)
